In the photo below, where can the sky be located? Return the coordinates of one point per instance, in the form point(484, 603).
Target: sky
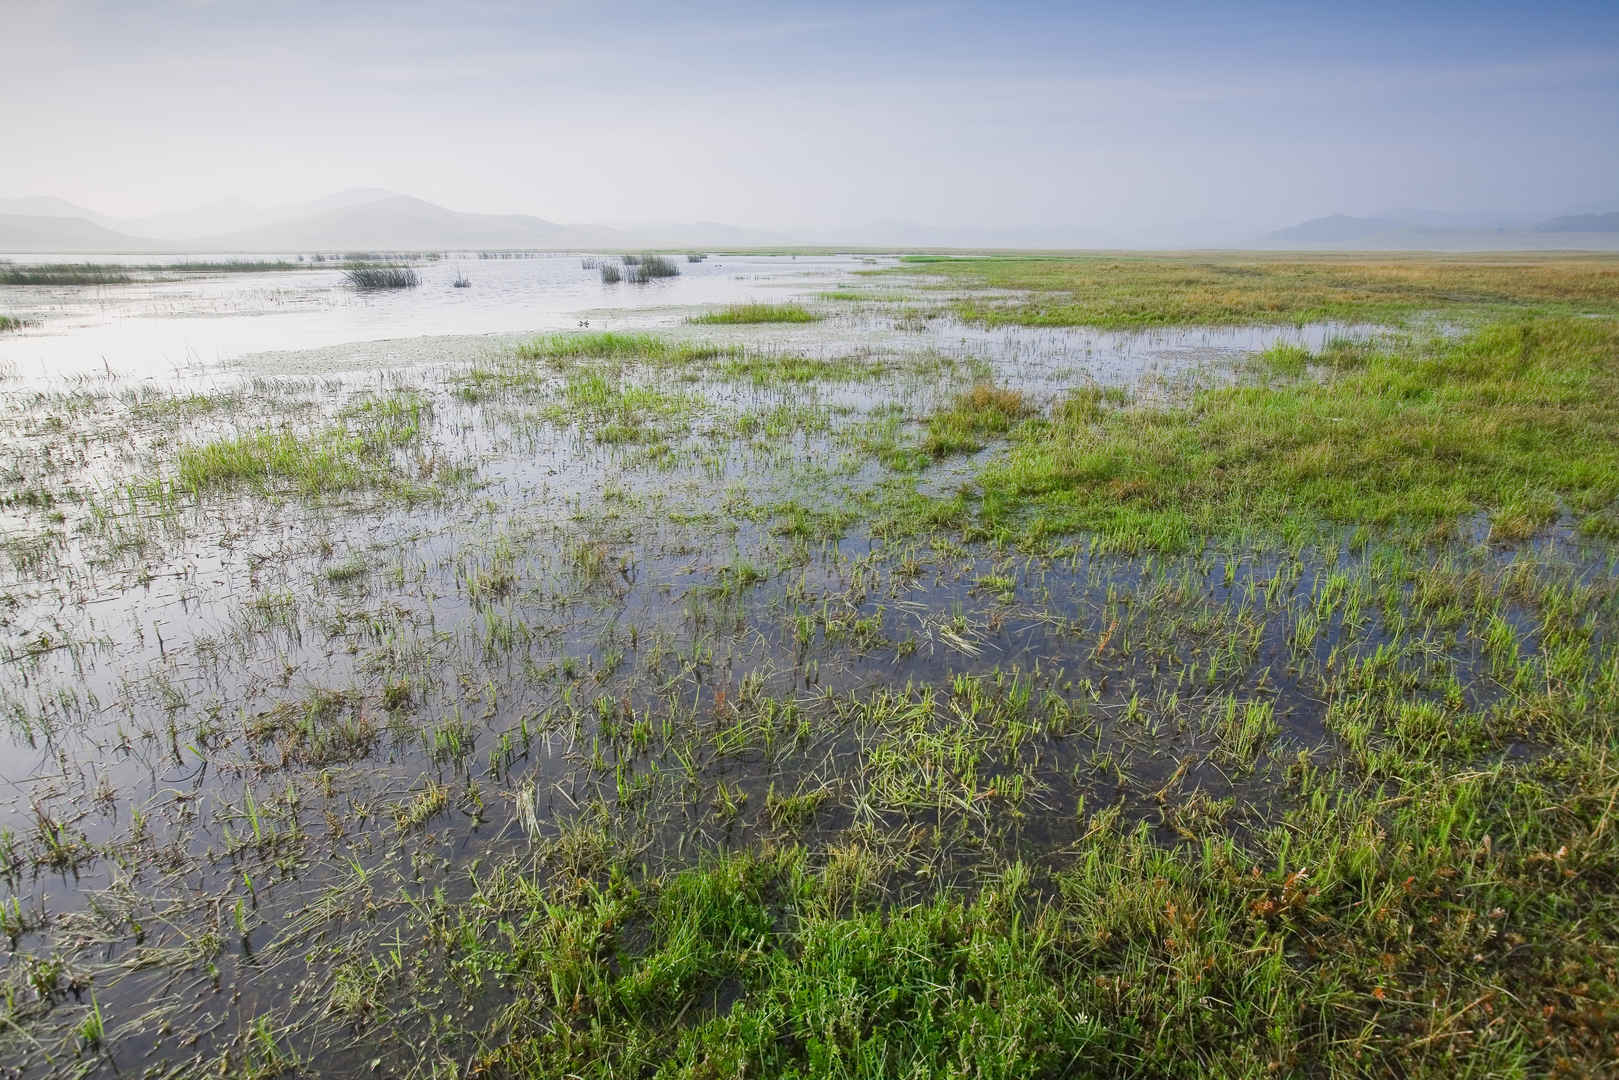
point(1117, 116)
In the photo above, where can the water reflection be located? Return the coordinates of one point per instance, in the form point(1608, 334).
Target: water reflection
point(148, 329)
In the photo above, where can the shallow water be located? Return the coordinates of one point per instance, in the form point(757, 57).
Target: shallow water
point(147, 329)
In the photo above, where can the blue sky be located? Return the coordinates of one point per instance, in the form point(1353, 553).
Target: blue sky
point(1122, 116)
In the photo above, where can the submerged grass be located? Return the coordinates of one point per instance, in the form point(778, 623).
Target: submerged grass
point(775, 369)
point(536, 364)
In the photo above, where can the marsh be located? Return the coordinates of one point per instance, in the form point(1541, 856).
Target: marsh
point(856, 665)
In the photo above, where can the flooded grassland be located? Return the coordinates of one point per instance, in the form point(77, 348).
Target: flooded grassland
point(1025, 667)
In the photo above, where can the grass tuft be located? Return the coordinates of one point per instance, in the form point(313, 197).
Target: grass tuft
point(640, 269)
point(366, 277)
point(739, 314)
point(973, 417)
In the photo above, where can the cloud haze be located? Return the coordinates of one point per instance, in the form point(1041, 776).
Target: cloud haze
point(820, 115)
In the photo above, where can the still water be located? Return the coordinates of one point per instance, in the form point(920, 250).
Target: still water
point(168, 328)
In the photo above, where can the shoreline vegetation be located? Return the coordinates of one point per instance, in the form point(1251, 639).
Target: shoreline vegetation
point(782, 694)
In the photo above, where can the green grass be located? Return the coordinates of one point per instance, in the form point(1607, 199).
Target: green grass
point(11, 322)
point(1513, 421)
point(972, 418)
point(615, 346)
point(1361, 934)
point(353, 454)
point(589, 361)
point(535, 364)
point(738, 314)
point(1133, 292)
point(872, 296)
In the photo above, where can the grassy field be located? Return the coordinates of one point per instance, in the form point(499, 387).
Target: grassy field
point(826, 699)
point(1129, 292)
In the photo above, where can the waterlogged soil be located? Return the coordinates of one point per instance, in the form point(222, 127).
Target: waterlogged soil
point(261, 735)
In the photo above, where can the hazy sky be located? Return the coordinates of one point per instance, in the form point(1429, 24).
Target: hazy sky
point(1115, 114)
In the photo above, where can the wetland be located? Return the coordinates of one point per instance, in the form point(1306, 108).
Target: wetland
point(817, 665)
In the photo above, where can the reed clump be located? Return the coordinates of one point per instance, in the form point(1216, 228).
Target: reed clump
point(369, 278)
point(647, 268)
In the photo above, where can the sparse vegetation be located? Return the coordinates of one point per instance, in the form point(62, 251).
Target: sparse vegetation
point(64, 274)
point(80, 274)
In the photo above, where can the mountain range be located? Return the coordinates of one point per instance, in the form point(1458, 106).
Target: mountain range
point(373, 219)
point(1430, 231)
point(361, 219)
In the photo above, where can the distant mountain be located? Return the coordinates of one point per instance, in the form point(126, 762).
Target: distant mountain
point(37, 233)
point(340, 200)
point(226, 215)
point(1345, 233)
point(1459, 219)
point(358, 219)
point(396, 222)
point(695, 234)
point(374, 219)
point(1581, 223)
point(1337, 229)
point(50, 206)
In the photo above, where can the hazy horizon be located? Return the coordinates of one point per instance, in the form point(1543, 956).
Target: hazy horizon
point(812, 118)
